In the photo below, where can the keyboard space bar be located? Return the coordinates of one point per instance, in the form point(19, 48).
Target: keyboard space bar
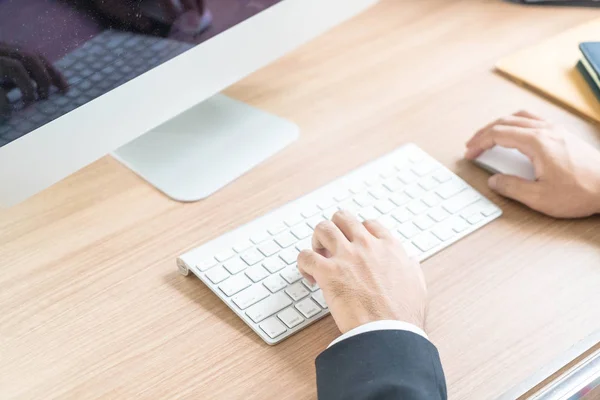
point(268, 307)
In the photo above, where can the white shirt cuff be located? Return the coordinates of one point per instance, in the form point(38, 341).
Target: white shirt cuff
point(386, 325)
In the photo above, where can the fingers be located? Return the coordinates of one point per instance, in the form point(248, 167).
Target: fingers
point(527, 114)
point(38, 73)
point(57, 77)
point(376, 229)
point(328, 238)
point(312, 265)
point(349, 225)
point(516, 188)
point(169, 9)
point(521, 119)
point(14, 71)
point(525, 140)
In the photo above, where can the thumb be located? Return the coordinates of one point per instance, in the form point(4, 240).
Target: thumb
point(515, 188)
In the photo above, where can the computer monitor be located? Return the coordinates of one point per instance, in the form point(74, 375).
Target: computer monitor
point(141, 78)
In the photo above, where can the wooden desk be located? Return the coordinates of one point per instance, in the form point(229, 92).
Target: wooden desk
point(91, 304)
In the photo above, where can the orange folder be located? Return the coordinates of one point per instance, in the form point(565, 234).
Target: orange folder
point(550, 68)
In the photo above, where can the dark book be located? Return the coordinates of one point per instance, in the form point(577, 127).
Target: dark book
point(589, 65)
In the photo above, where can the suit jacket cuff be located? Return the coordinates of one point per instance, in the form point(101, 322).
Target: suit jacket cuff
point(384, 325)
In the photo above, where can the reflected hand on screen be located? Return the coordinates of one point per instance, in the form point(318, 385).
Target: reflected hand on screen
point(31, 73)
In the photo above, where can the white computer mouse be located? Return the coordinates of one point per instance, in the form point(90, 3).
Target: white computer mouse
point(501, 160)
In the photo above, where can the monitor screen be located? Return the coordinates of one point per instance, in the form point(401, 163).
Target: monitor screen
point(57, 55)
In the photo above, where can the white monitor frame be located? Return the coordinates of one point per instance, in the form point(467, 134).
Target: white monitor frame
point(52, 152)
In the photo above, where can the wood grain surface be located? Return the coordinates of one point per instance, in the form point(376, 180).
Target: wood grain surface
point(92, 306)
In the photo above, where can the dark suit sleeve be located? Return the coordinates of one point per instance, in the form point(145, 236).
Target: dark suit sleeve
point(390, 364)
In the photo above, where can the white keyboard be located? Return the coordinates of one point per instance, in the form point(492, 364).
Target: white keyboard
point(253, 268)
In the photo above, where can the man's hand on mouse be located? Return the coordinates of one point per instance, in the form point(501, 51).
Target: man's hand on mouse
point(567, 169)
point(364, 273)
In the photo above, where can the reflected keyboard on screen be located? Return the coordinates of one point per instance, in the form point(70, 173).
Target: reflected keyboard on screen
point(253, 268)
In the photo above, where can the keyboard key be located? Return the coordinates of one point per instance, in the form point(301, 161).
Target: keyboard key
point(443, 232)
point(461, 201)
point(379, 193)
point(235, 284)
point(257, 273)
point(290, 317)
point(217, 274)
point(387, 221)
point(341, 195)
point(364, 200)
point(408, 230)
point(426, 241)
point(442, 176)
point(474, 208)
point(328, 214)
point(205, 265)
point(489, 210)
point(431, 199)
point(250, 296)
point(294, 220)
point(384, 206)
point(275, 229)
point(372, 181)
point(319, 298)
point(358, 188)
point(242, 246)
point(326, 203)
point(402, 215)
point(309, 286)
point(275, 283)
point(459, 224)
point(415, 191)
point(252, 257)
point(286, 240)
point(393, 185)
point(416, 156)
point(424, 168)
point(475, 218)
point(269, 306)
point(399, 199)
point(304, 244)
point(308, 308)
point(423, 222)
point(314, 221)
point(416, 207)
point(235, 265)
point(439, 214)
point(388, 173)
point(224, 255)
point(297, 291)
point(274, 264)
point(450, 189)
point(273, 327)
point(269, 248)
point(259, 237)
point(428, 183)
point(291, 274)
point(310, 212)
point(289, 255)
point(369, 213)
point(407, 177)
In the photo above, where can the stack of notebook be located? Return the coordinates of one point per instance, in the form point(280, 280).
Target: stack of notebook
point(551, 68)
point(589, 65)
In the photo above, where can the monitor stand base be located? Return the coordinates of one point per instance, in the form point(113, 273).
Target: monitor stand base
point(205, 148)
